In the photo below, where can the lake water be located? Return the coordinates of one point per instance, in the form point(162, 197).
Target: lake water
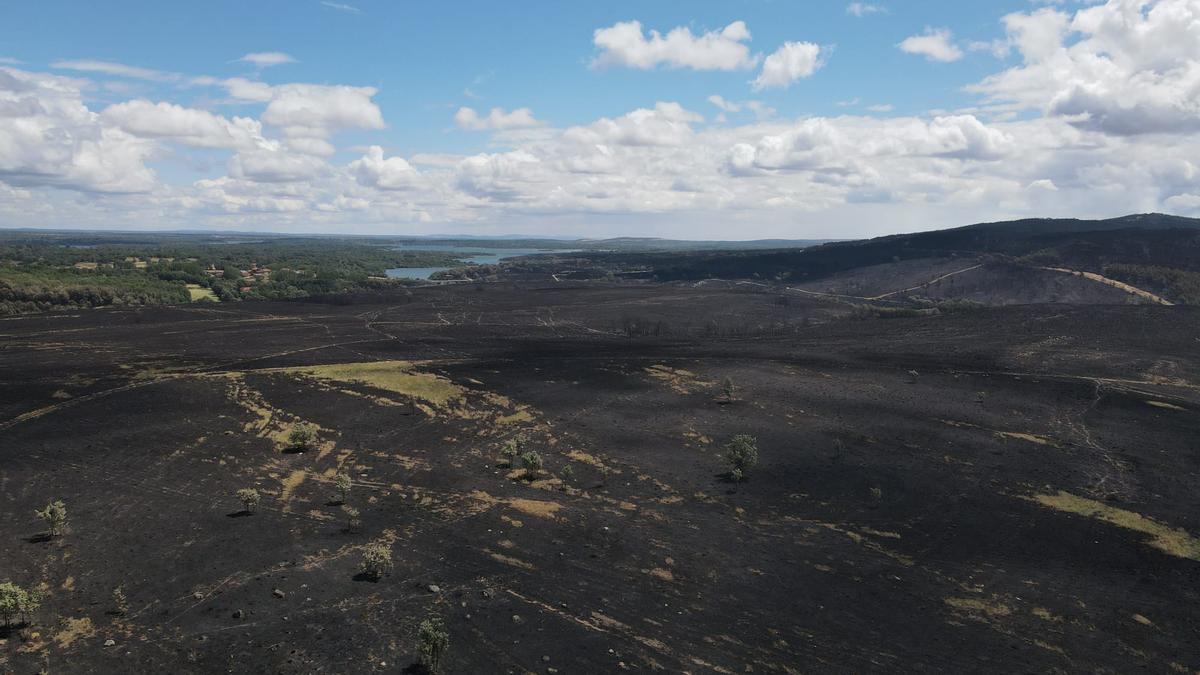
point(473, 256)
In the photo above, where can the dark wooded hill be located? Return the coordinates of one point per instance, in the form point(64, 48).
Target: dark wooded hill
point(1152, 239)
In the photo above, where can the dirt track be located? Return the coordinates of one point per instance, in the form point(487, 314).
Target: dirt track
point(1026, 502)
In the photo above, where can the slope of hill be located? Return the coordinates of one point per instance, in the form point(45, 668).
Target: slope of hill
point(1122, 248)
point(1010, 489)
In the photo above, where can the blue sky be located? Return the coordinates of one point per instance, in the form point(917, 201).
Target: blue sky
point(423, 56)
point(856, 86)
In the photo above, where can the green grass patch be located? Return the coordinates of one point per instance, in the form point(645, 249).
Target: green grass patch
point(198, 293)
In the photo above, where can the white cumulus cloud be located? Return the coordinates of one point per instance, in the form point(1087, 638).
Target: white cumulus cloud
point(49, 138)
point(496, 120)
point(317, 110)
point(503, 177)
point(1124, 67)
point(624, 44)
point(392, 173)
point(791, 62)
point(668, 123)
point(935, 44)
point(274, 165)
point(189, 126)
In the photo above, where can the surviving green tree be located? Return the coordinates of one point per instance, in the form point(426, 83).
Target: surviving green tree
point(510, 450)
point(741, 454)
point(376, 559)
point(302, 436)
point(55, 515)
point(18, 603)
point(532, 462)
point(433, 641)
point(343, 483)
point(249, 498)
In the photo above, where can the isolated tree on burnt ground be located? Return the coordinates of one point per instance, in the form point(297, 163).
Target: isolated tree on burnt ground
point(353, 518)
point(55, 515)
point(532, 462)
point(741, 454)
point(510, 450)
point(302, 437)
point(249, 498)
point(376, 559)
point(18, 603)
point(433, 641)
point(728, 388)
point(343, 483)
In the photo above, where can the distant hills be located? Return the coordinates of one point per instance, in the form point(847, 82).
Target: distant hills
point(1143, 221)
point(1154, 252)
point(482, 242)
point(614, 244)
point(1144, 240)
point(656, 244)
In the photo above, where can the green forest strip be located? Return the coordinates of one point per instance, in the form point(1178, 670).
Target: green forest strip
point(42, 273)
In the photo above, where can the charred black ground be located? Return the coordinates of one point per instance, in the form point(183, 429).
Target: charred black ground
point(1009, 489)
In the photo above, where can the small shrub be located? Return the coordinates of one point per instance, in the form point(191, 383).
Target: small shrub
point(55, 515)
point(249, 498)
point(433, 641)
point(568, 472)
point(728, 388)
point(532, 462)
point(302, 436)
point(18, 603)
point(376, 559)
point(742, 455)
point(510, 450)
point(343, 483)
point(876, 493)
point(120, 602)
point(353, 521)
